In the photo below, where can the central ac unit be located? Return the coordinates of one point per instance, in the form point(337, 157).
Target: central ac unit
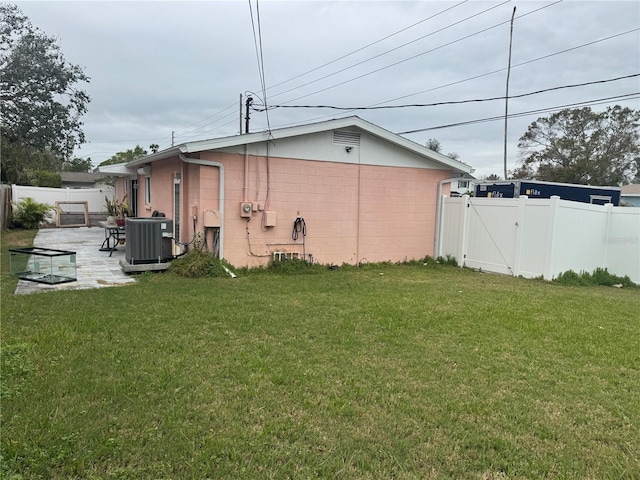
point(149, 240)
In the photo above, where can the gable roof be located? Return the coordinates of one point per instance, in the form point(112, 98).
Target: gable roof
point(632, 190)
point(287, 132)
point(81, 177)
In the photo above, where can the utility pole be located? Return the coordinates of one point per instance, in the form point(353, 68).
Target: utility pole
point(173, 136)
point(506, 95)
point(246, 118)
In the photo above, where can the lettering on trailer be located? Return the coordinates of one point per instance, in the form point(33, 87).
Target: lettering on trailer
point(495, 194)
point(533, 192)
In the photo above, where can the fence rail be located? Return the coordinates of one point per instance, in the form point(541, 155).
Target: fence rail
point(540, 237)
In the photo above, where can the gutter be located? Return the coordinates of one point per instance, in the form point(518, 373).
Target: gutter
point(211, 163)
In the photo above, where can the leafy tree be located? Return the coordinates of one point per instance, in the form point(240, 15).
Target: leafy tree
point(45, 178)
point(154, 147)
point(492, 178)
point(583, 147)
point(40, 98)
point(127, 156)
point(435, 145)
point(77, 165)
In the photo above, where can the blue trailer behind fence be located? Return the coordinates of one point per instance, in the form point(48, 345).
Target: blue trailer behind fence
point(538, 189)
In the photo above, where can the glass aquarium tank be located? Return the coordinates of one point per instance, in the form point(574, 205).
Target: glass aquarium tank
point(43, 265)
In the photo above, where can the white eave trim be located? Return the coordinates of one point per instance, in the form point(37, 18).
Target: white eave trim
point(117, 169)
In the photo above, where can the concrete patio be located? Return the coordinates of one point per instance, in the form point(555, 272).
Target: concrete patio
point(95, 269)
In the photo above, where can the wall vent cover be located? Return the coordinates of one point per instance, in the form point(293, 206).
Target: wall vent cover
point(349, 139)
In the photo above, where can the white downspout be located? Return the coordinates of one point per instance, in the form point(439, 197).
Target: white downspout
point(211, 163)
point(436, 247)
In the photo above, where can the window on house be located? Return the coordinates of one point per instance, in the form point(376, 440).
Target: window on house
point(463, 184)
point(147, 190)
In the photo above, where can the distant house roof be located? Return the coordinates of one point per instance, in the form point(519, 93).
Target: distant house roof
point(258, 137)
point(632, 190)
point(81, 178)
point(467, 176)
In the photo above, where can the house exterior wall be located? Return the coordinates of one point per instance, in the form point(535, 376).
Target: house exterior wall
point(162, 174)
point(368, 203)
point(354, 213)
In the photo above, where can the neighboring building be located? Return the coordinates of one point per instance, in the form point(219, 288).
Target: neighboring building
point(464, 185)
point(358, 191)
point(83, 180)
point(630, 195)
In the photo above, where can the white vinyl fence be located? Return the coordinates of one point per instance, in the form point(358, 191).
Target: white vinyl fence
point(93, 196)
point(538, 237)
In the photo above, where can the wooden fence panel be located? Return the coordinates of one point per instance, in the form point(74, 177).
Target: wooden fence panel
point(5, 206)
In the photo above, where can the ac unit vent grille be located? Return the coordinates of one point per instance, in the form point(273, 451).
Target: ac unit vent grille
point(349, 139)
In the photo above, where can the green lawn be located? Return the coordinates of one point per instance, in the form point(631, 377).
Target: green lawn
point(396, 372)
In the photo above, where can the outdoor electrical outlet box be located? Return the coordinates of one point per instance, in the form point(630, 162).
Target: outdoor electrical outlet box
point(245, 209)
point(269, 218)
point(212, 218)
point(254, 206)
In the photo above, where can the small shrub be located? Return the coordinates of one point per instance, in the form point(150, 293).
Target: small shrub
point(293, 266)
point(600, 276)
point(199, 264)
point(448, 260)
point(570, 278)
point(29, 214)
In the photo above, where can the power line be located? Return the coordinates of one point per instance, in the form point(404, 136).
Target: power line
point(259, 54)
point(628, 96)
point(259, 57)
point(412, 57)
point(261, 67)
point(207, 118)
point(389, 51)
point(457, 102)
point(369, 45)
point(475, 77)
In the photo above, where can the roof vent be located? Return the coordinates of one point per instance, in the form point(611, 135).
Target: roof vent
point(350, 139)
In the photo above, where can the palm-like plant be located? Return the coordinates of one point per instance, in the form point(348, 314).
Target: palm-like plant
point(29, 214)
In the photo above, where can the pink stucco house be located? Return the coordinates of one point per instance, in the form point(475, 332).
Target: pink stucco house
point(339, 191)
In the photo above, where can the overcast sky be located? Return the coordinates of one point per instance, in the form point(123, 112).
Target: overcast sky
point(162, 67)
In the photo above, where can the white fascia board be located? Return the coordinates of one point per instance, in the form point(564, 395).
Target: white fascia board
point(117, 169)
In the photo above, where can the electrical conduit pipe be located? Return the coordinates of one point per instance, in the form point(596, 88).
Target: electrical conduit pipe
point(220, 167)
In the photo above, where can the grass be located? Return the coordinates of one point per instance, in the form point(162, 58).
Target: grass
point(385, 371)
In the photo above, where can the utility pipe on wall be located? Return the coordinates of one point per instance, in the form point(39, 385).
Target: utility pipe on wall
point(245, 188)
point(211, 163)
